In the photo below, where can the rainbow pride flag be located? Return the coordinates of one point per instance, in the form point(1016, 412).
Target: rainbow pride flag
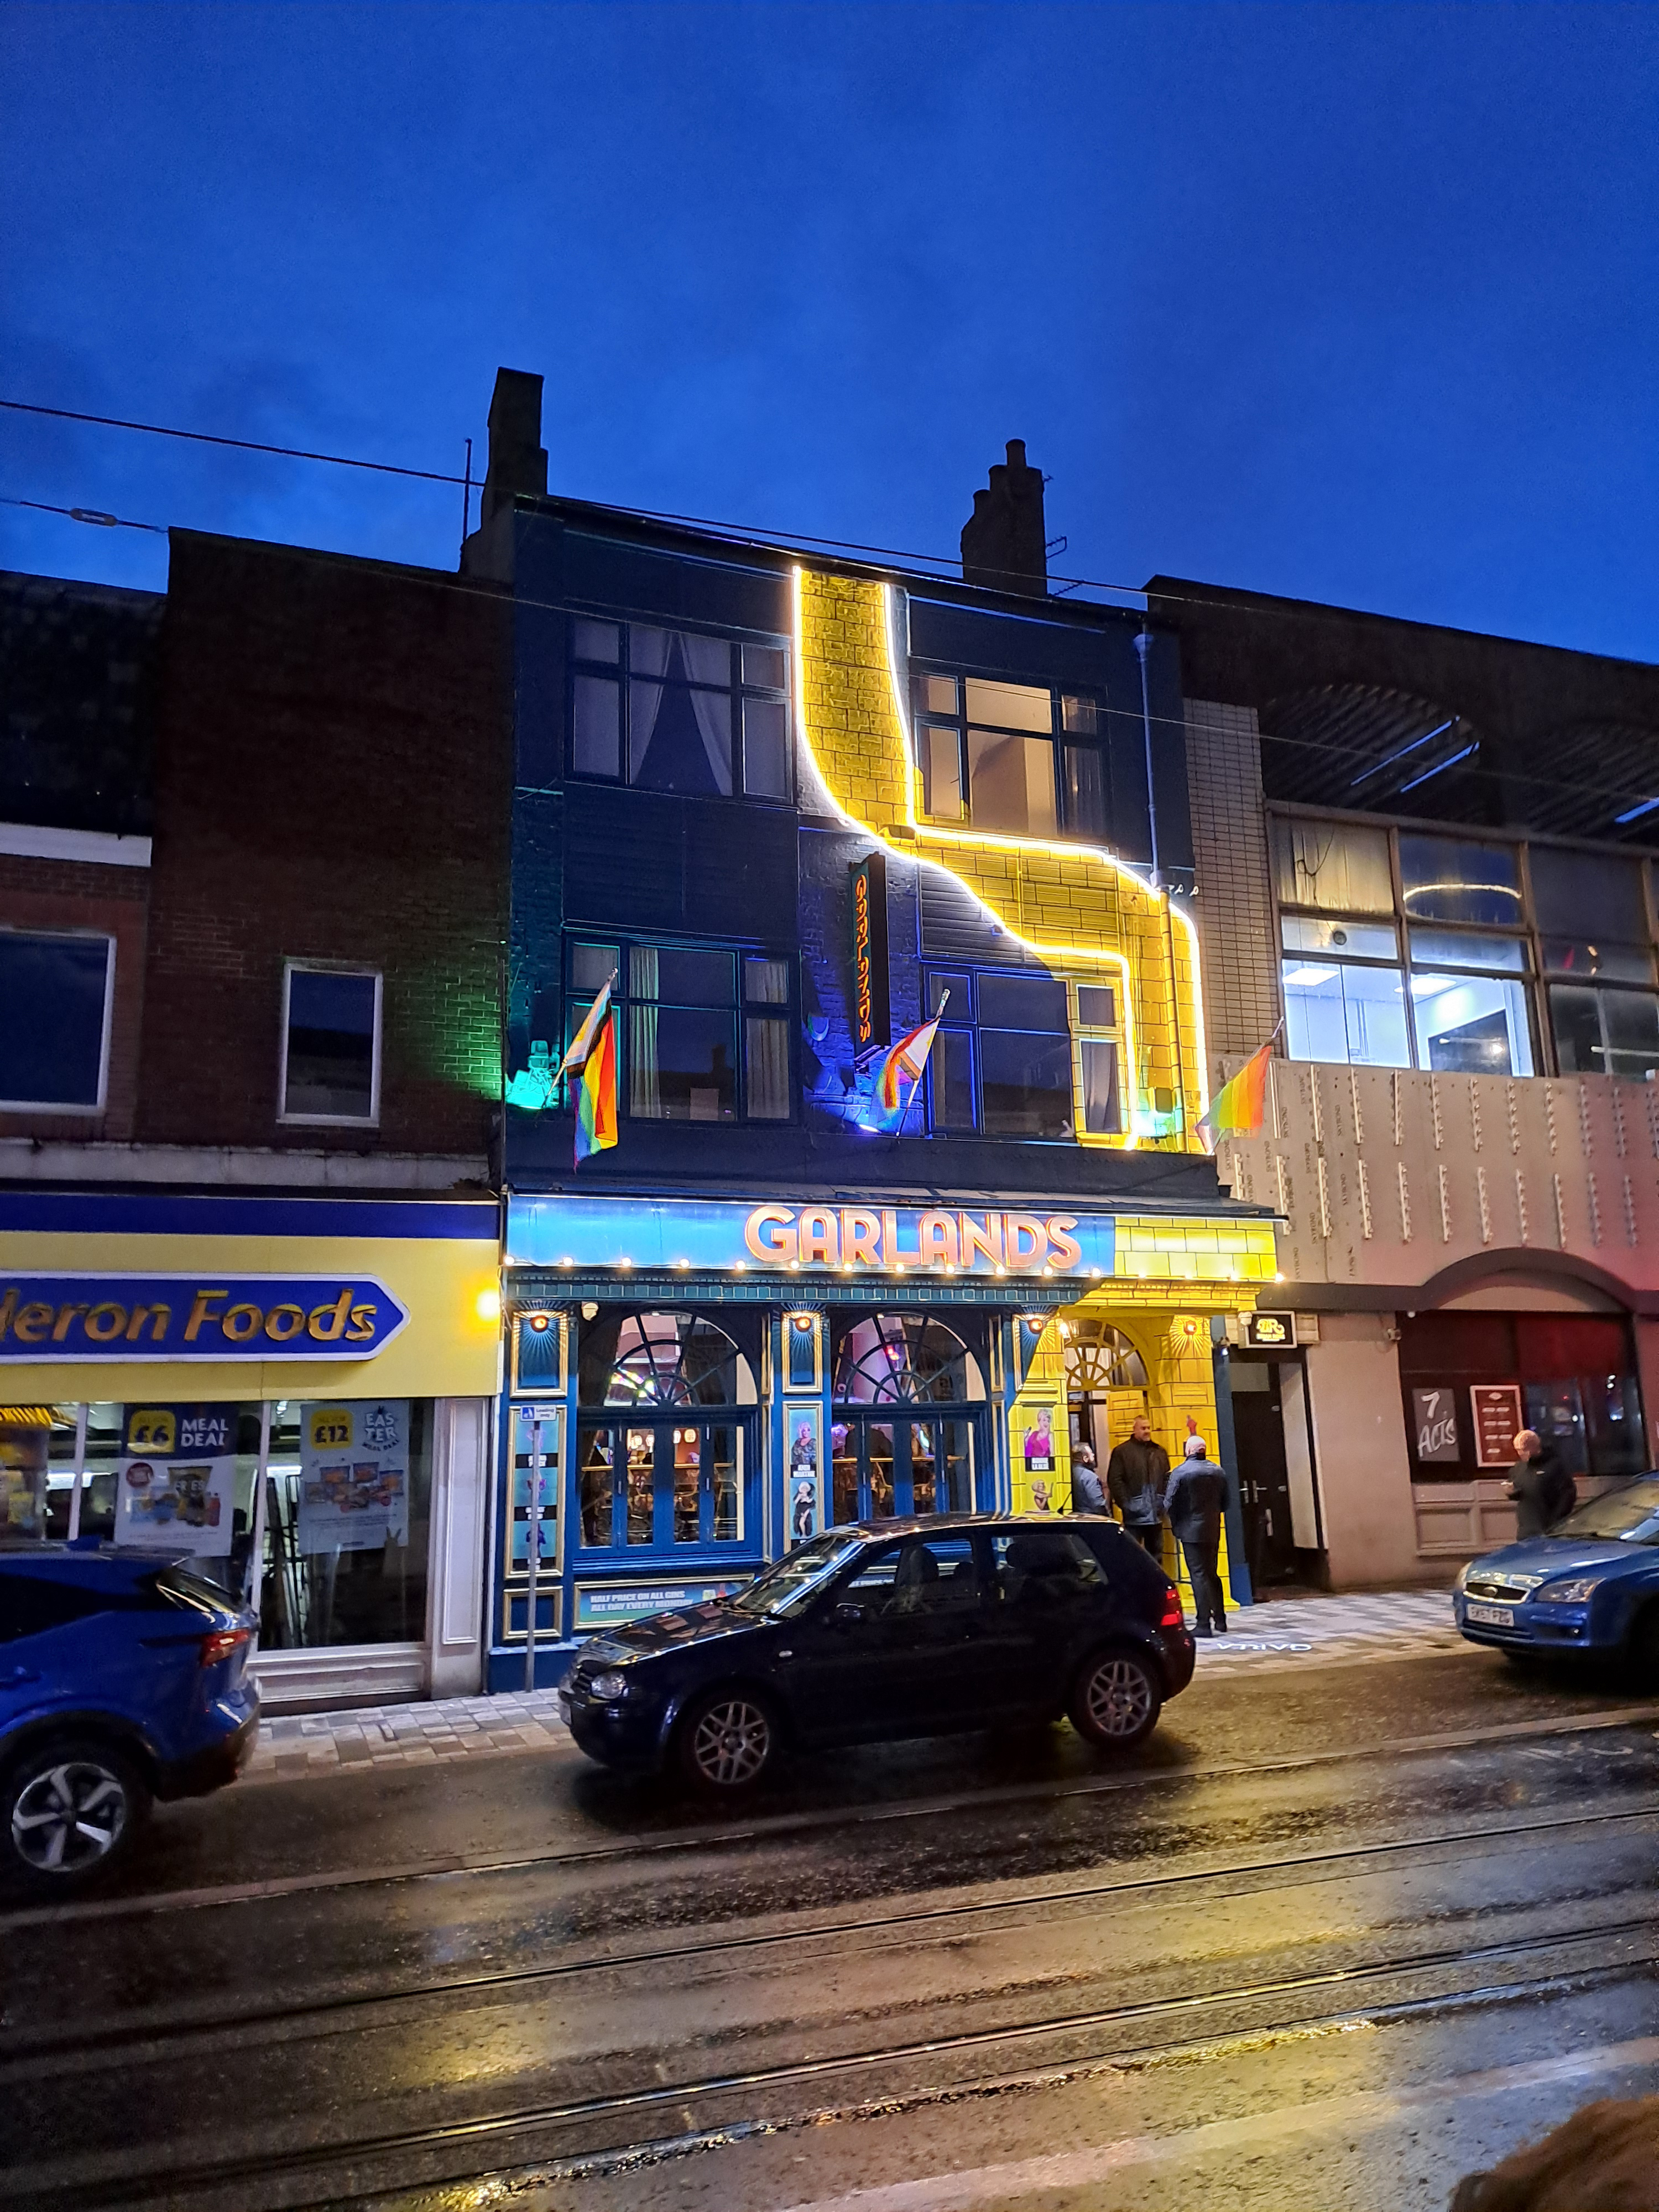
point(890, 1098)
point(1237, 1108)
point(596, 1094)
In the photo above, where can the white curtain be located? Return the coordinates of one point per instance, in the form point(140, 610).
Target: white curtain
point(647, 659)
point(768, 1046)
point(708, 660)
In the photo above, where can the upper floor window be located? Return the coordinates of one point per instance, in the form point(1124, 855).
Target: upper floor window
point(674, 710)
point(1014, 757)
point(1414, 950)
point(330, 1068)
point(55, 998)
point(1026, 1055)
point(704, 1029)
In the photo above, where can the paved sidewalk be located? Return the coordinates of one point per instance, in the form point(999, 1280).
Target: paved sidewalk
point(1284, 1634)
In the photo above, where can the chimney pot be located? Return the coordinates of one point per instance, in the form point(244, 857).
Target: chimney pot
point(1005, 541)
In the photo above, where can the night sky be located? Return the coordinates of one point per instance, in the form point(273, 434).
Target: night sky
point(1352, 303)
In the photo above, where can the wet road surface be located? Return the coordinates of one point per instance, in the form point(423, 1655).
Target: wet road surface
point(1330, 1940)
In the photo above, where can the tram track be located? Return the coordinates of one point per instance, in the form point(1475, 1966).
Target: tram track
point(770, 1828)
point(429, 2154)
point(21, 2055)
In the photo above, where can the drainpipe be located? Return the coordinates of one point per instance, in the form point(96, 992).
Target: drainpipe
point(1143, 649)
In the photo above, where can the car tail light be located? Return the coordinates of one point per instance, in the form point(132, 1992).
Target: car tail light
point(220, 1645)
point(1173, 1616)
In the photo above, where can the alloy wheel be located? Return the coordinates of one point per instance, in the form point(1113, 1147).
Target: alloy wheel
point(731, 1742)
point(69, 1817)
point(1119, 1698)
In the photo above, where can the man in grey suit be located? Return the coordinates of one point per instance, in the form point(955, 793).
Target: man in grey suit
point(1193, 1503)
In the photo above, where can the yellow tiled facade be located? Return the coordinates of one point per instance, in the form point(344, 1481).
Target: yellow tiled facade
point(1085, 917)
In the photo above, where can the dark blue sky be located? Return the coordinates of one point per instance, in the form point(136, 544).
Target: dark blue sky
point(1354, 303)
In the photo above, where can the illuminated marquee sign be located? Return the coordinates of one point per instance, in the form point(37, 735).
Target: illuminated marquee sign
point(597, 1232)
point(1267, 1332)
point(872, 1017)
point(78, 1318)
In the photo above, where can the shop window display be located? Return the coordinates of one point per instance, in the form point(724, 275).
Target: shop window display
point(348, 1503)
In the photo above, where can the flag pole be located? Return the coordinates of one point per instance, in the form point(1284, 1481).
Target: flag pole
point(936, 1016)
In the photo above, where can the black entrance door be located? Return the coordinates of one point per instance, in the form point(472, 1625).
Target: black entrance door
point(1264, 1480)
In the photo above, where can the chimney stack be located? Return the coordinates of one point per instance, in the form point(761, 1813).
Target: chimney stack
point(1003, 542)
point(518, 459)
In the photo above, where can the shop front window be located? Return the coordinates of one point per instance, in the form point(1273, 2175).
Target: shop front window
point(1473, 1380)
point(666, 1470)
point(348, 1508)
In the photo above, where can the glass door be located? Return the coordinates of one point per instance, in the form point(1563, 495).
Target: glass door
point(900, 1465)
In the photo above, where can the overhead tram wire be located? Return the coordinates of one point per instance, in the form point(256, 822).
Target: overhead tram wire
point(784, 540)
point(436, 579)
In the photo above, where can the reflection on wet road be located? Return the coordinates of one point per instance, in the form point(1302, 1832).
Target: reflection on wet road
point(1330, 1941)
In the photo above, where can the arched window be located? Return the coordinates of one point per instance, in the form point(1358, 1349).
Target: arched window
point(642, 1359)
point(903, 1359)
point(1100, 1357)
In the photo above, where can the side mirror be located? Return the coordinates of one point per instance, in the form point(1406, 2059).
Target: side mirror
point(845, 1615)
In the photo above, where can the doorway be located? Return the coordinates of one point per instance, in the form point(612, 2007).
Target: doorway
point(1264, 1473)
point(890, 1464)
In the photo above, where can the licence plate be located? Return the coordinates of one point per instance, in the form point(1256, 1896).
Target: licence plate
point(1494, 1616)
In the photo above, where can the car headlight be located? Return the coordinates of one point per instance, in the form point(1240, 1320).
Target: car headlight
point(1578, 1593)
point(1462, 1574)
point(611, 1685)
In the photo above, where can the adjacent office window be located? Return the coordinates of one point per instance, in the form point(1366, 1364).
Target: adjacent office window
point(1450, 979)
point(1014, 757)
point(331, 1045)
point(55, 998)
point(675, 710)
point(1001, 1062)
point(682, 1011)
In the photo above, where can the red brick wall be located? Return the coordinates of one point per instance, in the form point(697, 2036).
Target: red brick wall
point(79, 895)
point(332, 782)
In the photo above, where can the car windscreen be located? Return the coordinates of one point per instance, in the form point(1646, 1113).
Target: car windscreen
point(1631, 1515)
point(787, 1586)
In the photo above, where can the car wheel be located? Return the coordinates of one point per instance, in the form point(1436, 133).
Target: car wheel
point(727, 1741)
point(1116, 1700)
point(69, 1812)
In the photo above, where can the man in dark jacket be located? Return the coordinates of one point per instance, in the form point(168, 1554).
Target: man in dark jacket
point(1544, 1493)
point(1135, 1475)
point(1087, 1494)
point(1194, 1500)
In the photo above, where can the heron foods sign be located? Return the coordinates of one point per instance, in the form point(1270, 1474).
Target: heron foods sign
point(198, 1317)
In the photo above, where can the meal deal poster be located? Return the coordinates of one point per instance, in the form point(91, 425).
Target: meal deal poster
point(354, 1475)
point(178, 1480)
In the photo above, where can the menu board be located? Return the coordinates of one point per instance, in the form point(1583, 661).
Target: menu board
point(354, 1475)
point(1498, 1422)
point(177, 1486)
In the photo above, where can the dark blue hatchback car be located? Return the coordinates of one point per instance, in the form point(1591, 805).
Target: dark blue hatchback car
point(1590, 1585)
point(887, 1630)
point(122, 1677)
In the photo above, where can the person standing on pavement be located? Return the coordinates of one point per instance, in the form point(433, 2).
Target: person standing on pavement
point(1087, 1494)
point(1544, 1493)
point(1135, 1475)
point(1194, 1500)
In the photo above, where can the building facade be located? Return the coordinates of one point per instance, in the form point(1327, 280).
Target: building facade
point(791, 809)
point(253, 883)
point(1423, 863)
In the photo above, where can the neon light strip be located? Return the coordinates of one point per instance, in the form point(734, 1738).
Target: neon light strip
point(1066, 852)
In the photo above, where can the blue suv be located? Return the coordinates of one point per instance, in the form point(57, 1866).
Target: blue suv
point(1590, 1585)
point(122, 1677)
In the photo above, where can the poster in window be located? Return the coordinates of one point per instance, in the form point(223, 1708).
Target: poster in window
point(1036, 1468)
point(1434, 1418)
point(354, 1475)
point(804, 1500)
point(1498, 1422)
point(178, 1480)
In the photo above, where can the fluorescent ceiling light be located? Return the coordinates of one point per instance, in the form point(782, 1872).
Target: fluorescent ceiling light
point(1307, 978)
